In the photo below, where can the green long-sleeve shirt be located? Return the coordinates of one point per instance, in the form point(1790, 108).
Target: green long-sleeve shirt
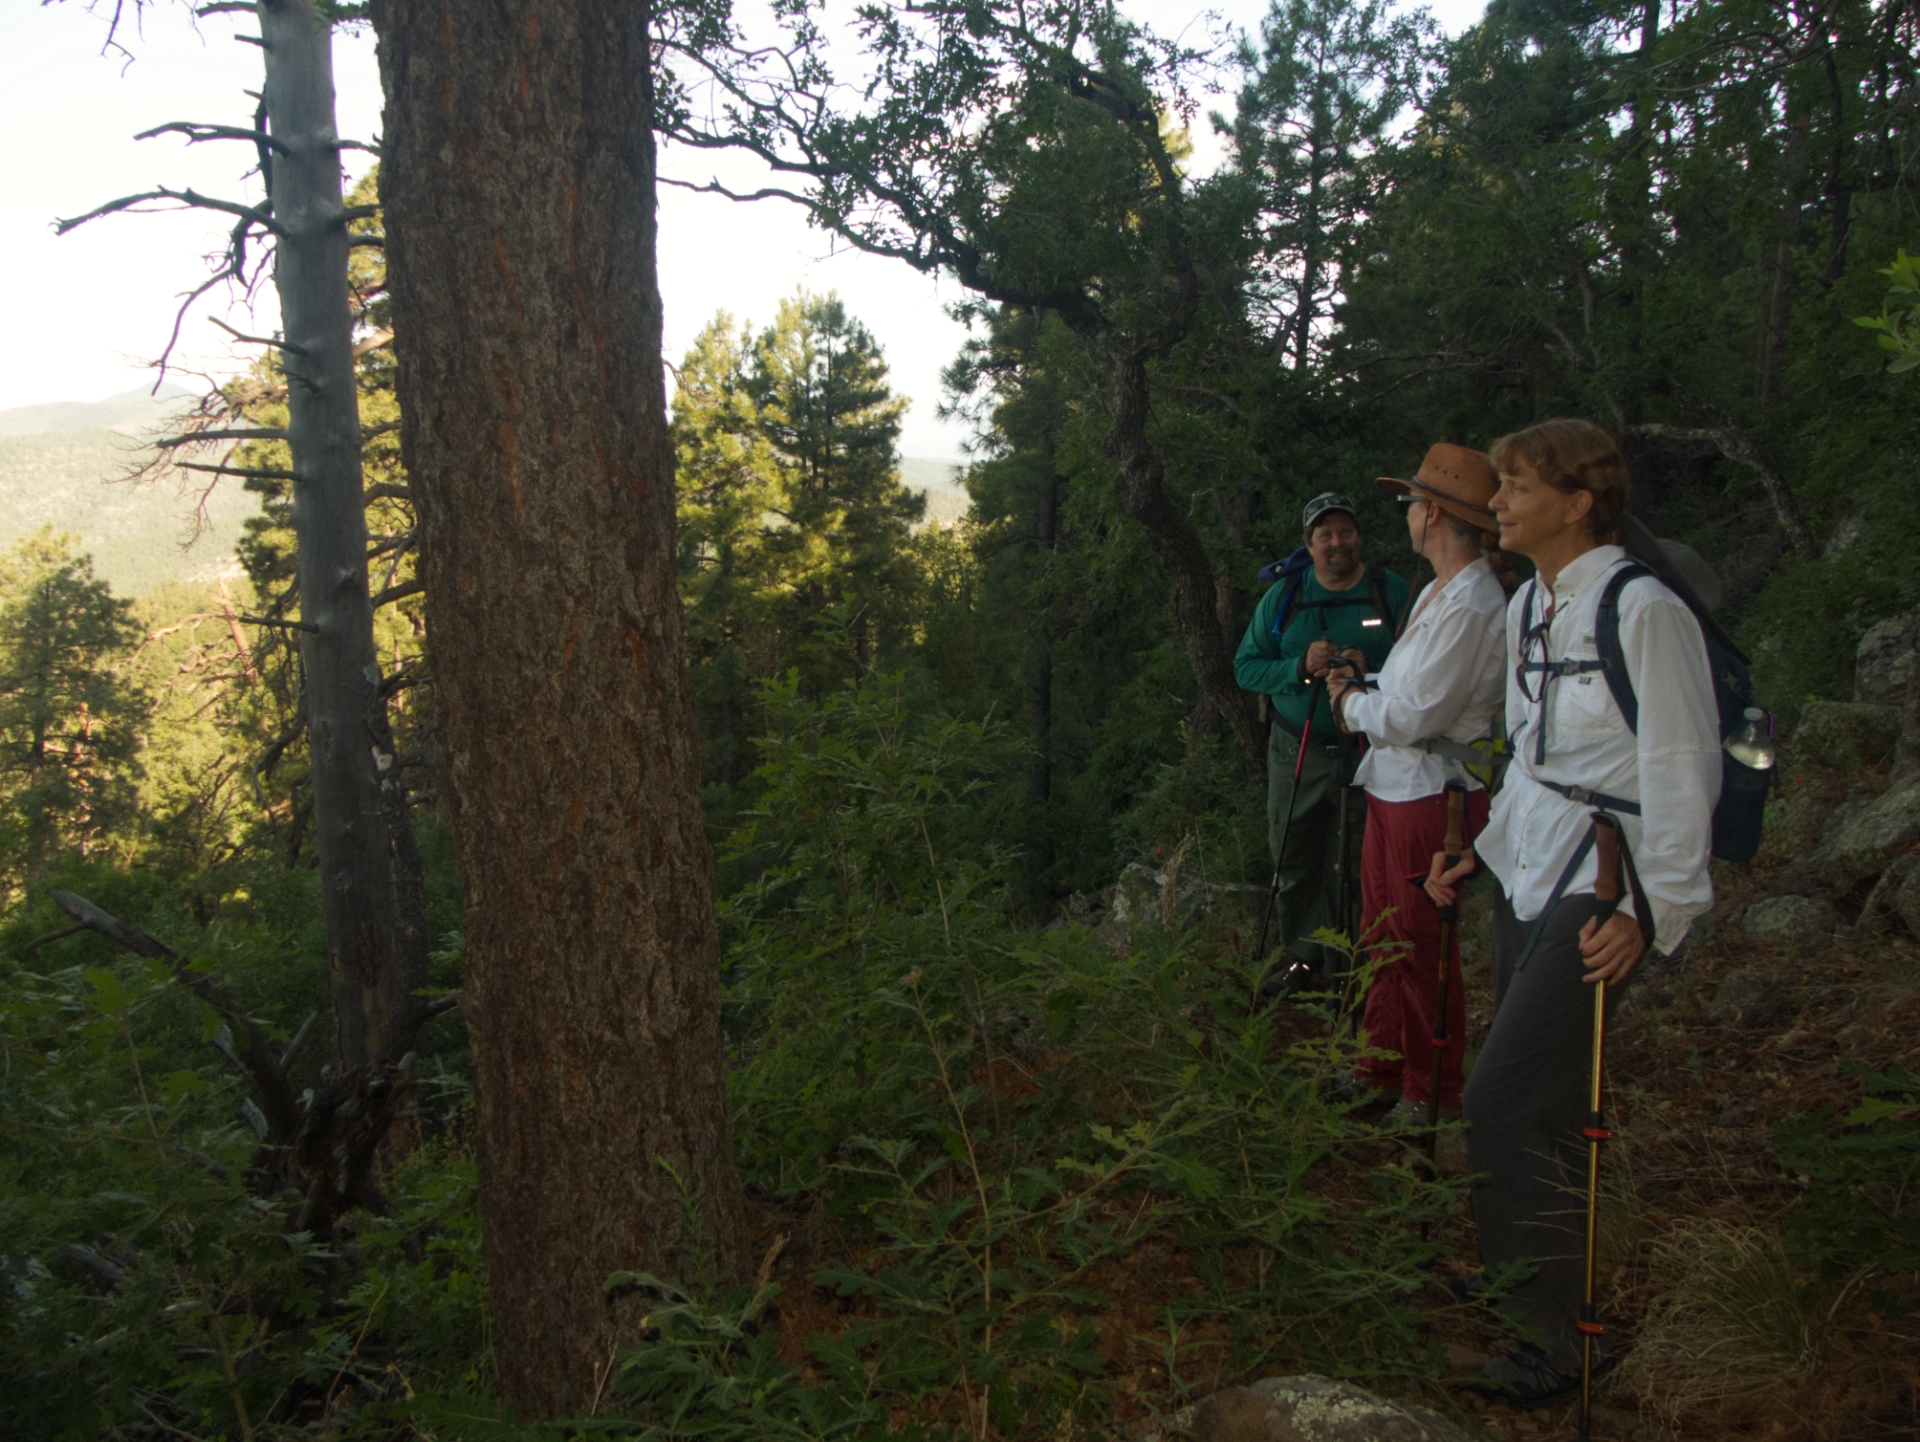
point(1346, 618)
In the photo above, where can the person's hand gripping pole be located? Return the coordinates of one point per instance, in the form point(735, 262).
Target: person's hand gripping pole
point(1606, 891)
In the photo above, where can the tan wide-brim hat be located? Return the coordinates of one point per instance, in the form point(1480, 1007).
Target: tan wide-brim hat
point(1457, 479)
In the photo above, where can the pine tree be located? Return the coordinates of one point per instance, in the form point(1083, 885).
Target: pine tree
point(818, 383)
point(69, 722)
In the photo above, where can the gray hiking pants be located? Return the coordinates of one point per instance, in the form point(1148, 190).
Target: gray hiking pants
point(1526, 1106)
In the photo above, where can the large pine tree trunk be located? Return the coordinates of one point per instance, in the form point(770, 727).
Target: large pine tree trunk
point(376, 1011)
point(518, 183)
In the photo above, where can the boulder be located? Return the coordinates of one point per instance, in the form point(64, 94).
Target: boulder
point(1806, 920)
point(1884, 666)
point(1895, 896)
point(1847, 733)
point(1907, 903)
point(1869, 831)
point(1315, 1409)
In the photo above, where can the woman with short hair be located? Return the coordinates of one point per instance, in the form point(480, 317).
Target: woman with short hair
point(1563, 489)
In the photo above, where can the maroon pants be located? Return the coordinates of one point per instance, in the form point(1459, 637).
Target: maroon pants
point(1398, 917)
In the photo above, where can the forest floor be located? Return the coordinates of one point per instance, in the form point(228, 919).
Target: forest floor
point(1723, 1336)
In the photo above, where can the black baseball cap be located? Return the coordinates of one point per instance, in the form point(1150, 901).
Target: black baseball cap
point(1324, 502)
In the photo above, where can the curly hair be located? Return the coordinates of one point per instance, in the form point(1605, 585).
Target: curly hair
point(1573, 455)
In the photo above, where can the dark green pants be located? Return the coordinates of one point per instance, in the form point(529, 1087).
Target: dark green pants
point(1309, 879)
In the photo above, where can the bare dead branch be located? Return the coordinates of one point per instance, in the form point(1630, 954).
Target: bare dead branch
point(399, 592)
point(262, 472)
point(285, 345)
point(439, 1004)
point(195, 437)
point(39, 941)
point(196, 132)
point(384, 492)
point(276, 621)
point(189, 199)
point(1733, 442)
point(372, 343)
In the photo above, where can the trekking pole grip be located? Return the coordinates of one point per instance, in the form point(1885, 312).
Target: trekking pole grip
point(1606, 848)
point(1456, 842)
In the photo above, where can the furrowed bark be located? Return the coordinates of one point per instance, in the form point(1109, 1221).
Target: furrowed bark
point(342, 675)
point(518, 185)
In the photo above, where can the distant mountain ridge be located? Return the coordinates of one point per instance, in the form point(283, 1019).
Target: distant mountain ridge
point(134, 412)
point(947, 498)
point(61, 464)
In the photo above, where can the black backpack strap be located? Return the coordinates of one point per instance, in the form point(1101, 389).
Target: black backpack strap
point(1382, 607)
point(1283, 614)
point(1606, 639)
point(1642, 909)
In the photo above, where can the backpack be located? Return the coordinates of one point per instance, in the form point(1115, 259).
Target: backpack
point(1737, 816)
point(1293, 570)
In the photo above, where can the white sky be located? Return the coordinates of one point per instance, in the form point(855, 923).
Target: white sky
point(86, 312)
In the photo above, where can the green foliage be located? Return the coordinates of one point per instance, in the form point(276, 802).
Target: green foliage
point(791, 512)
point(1004, 1116)
point(1898, 323)
point(1862, 1209)
point(70, 722)
point(151, 1286)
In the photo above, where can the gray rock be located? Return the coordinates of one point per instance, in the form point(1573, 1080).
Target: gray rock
point(1907, 903)
point(1315, 1409)
point(1847, 733)
point(1744, 993)
point(1884, 665)
point(1883, 906)
point(1868, 832)
point(1802, 919)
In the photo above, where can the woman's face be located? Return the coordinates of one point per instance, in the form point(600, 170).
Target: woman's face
point(1533, 515)
point(1420, 515)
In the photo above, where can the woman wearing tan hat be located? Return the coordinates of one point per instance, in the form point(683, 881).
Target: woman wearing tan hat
point(1439, 691)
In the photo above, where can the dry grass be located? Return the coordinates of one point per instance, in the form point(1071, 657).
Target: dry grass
point(1735, 1319)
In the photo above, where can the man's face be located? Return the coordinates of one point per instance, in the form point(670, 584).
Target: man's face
point(1335, 546)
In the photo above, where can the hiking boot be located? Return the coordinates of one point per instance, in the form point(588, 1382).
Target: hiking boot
point(1350, 1084)
point(1450, 1154)
point(1408, 1113)
point(1526, 1378)
point(1465, 1286)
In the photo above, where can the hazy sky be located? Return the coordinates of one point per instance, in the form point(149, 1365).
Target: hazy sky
point(87, 311)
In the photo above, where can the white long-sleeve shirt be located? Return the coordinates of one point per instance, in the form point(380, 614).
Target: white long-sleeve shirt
point(1442, 679)
point(1671, 767)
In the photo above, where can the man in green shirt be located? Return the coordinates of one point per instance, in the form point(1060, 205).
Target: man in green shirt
point(1328, 602)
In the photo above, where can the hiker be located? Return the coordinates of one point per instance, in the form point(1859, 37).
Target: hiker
point(1440, 691)
point(1561, 502)
point(1325, 600)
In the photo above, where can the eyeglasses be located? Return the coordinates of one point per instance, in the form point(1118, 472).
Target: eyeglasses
point(1407, 501)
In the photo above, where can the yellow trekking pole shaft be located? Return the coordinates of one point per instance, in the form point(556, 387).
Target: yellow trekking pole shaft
point(1606, 891)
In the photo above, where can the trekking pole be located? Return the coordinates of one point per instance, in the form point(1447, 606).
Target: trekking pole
point(1606, 891)
point(1456, 843)
point(1286, 827)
